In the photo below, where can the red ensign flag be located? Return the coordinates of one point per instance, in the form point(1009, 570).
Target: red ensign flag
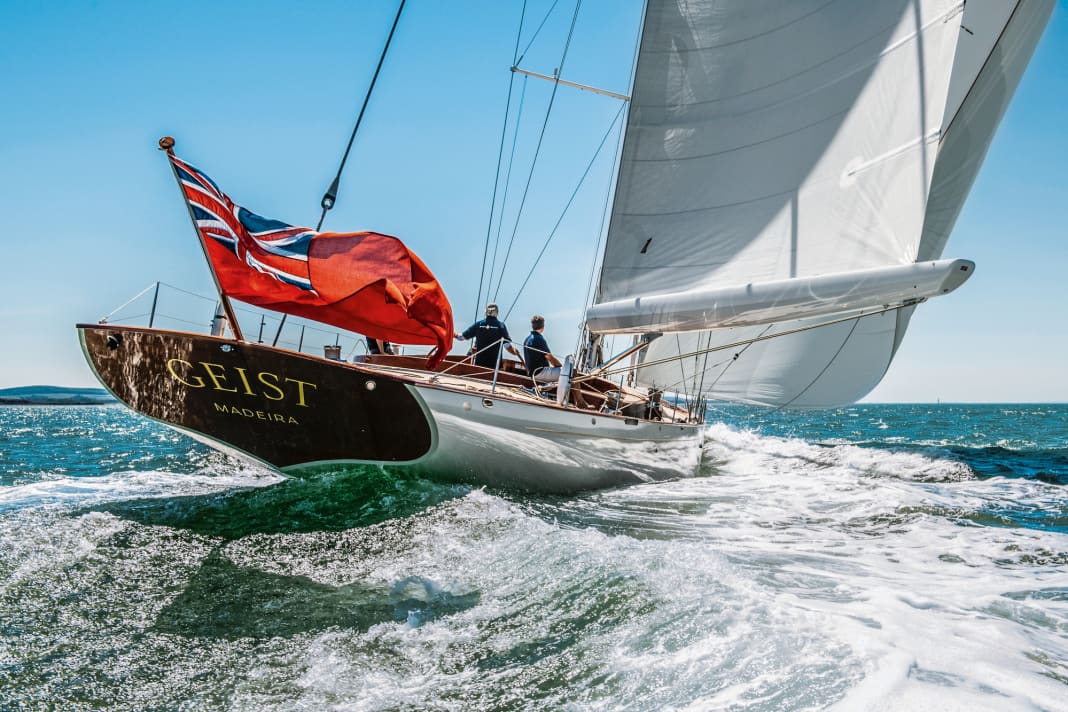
point(360, 281)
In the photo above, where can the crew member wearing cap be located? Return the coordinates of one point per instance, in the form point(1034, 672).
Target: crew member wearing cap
point(488, 334)
point(536, 349)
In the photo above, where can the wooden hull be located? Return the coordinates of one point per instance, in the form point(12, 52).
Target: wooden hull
point(296, 412)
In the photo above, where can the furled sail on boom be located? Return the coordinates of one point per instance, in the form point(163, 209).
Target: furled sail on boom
point(360, 281)
point(775, 144)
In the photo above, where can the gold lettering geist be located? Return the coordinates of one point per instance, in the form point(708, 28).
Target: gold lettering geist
point(236, 379)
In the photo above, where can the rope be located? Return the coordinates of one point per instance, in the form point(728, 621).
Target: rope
point(700, 388)
point(330, 196)
point(537, 149)
point(682, 369)
point(671, 387)
point(601, 234)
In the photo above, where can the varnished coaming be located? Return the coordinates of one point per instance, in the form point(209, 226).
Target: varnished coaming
point(278, 406)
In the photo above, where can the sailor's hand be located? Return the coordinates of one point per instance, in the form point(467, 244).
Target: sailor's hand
point(460, 337)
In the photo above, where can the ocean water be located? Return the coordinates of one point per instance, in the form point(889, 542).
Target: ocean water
point(877, 557)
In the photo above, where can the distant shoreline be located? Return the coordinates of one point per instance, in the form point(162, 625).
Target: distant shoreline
point(45, 401)
point(54, 395)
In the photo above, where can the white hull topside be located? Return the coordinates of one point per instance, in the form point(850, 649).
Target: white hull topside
point(299, 414)
point(495, 442)
point(504, 443)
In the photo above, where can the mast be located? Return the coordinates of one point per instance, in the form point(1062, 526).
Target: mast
point(623, 144)
point(591, 351)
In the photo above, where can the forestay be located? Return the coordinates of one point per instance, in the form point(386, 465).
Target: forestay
point(780, 140)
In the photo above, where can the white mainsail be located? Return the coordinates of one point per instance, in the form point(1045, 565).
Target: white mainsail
point(774, 142)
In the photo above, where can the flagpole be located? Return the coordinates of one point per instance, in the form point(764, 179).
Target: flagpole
point(167, 144)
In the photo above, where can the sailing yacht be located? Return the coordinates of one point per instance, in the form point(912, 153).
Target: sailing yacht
point(789, 175)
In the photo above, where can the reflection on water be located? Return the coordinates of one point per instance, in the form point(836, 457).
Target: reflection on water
point(332, 501)
point(223, 600)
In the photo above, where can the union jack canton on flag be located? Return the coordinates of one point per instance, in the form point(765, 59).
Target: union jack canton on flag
point(269, 246)
point(365, 282)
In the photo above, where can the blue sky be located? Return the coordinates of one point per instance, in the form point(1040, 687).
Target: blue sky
point(262, 97)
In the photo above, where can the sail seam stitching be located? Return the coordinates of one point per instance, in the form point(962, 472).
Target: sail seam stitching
point(892, 48)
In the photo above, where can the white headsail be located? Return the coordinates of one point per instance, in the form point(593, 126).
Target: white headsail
point(775, 147)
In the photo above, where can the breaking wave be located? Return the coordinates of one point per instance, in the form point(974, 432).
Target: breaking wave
point(813, 565)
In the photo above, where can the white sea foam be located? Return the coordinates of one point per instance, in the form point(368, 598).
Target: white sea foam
point(56, 489)
point(793, 576)
point(798, 577)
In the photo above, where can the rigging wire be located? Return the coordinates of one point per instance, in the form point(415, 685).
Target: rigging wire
point(500, 155)
point(127, 303)
point(507, 181)
point(330, 197)
point(192, 294)
point(736, 356)
point(704, 371)
point(682, 370)
point(602, 233)
point(306, 325)
point(671, 387)
point(824, 369)
point(570, 200)
point(537, 149)
point(518, 59)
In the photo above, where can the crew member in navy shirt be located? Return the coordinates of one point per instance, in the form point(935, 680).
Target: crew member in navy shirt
point(536, 350)
point(488, 334)
point(377, 346)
